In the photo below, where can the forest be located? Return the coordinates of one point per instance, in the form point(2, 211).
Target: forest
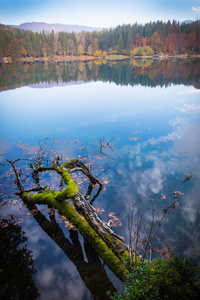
point(171, 38)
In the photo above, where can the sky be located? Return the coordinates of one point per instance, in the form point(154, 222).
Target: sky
point(103, 13)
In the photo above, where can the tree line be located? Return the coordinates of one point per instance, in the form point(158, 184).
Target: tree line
point(170, 38)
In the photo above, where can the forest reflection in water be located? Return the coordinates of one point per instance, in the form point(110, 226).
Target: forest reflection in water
point(146, 72)
point(156, 137)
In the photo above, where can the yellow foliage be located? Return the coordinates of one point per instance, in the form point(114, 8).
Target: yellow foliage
point(89, 51)
point(90, 63)
point(98, 62)
point(97, 53)
point(104, 61)
point(81, 67)
point(80, 49)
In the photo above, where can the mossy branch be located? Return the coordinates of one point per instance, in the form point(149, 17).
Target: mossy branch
point(108, 245)
point(66, 209)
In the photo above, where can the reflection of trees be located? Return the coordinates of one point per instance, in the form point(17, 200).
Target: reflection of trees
point(157, 73)
point(144, 72)
point(16, 265)
point(92, 272)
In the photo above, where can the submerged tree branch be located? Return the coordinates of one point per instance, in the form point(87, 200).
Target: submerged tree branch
point(108, 245)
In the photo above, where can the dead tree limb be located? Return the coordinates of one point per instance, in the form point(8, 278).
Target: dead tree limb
point(108, 245)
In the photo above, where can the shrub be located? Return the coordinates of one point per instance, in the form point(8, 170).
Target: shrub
point(171, 279)
point(140, 51)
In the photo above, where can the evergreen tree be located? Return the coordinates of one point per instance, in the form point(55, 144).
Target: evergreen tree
point(120, 45)
point(129, 42)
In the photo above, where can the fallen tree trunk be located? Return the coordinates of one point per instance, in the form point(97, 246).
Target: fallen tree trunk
point(97, 282)
point(67, 210)
point(109, 246)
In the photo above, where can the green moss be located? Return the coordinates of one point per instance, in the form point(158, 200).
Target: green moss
point(41, 198)
point(66, 177)
point(111, 260)
point(68, 162)
point(67, 193)
point(124, 254)
point(71, 188)
point(65, 208)
point(25, 195)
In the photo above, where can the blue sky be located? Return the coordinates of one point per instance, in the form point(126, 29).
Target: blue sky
point(103, 13)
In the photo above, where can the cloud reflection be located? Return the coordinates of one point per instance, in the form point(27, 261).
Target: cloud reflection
point(158, 165)
point(4, 146)
point(59, 279)
point(190, 91)
point(189, 141)
point(189, 108)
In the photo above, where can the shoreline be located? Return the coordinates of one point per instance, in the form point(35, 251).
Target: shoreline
point(67, 58)
point(92, 58)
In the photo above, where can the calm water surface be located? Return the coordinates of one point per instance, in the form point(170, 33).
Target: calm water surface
point(150, 111)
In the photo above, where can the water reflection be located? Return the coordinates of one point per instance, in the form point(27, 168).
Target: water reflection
point(144, 72)
point(90, 269)
point(16, 264)
point(167, 124)
point(157, 167)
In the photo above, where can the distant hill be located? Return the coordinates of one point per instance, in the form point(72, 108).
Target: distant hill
point(40, 26)
point(187, 22)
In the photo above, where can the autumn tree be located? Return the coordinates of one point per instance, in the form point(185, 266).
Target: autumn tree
point(156, 43)
point(97, 53)
point(104, 53)
point(170, 37)
point(89, 50)
point(23, 51)
point(149, 51)
point(138, 41)
point(132, 53)
point(82, 36)
point(80, 49)
point(8, 52)
point(140, 51)
point(191, 41)
point(71, 48)
point(96, 43)
point(44, 50)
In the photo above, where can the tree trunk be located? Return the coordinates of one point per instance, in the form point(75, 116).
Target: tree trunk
point(109, 246)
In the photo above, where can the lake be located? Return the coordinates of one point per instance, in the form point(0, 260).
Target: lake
point(148, 112)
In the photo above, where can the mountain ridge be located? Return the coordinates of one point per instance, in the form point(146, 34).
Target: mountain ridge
point(56, 27)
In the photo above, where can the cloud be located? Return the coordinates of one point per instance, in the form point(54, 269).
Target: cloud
point(196, 8)
point(46, 277)
point(51, 280)
point(84, 123)
point(4, 146)
point(152, 180)
point(163, 139)
point(190, 91)
point(188, 108)
point(178, 122)
point(189, 141)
